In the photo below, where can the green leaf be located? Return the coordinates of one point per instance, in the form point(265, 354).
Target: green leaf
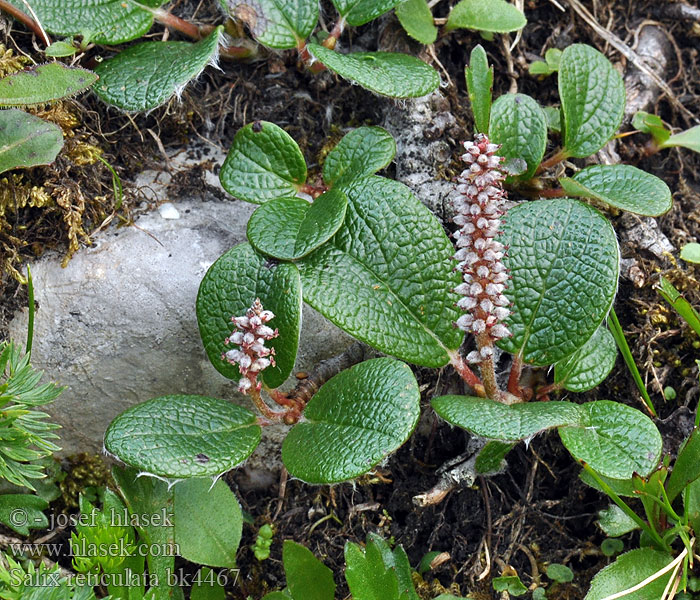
point(386, 73)
point(622, 487)
point(686, 469)
point(622, 186)
point(551, 65)
point(497, 16)
point(44, 83)
point(553, 116)
point(627, 571)
point(615, 522)
point(112, 21)
point(289, 228)
point(61, 49)
point(263, 163)
point(26, 140)
point(207, 587)
point(679, 303)
point(520, 126)
point(359, 12)
point(560, 573)
point(230, 287)
point(691, 252)
point(22, 512)
point(510, 584)
point(417, 20)
point(208, 522)
point(490, 459)
point(147, 75)
point(592, 99)
point(611, 546)
point(277, 23)
point(564, 263)
point(690, 139)
point(284, 595)
point(307, 577)
point(497, 421)
point(363, 151)
point(368, 577)
point(648, 123)
point(614, 439)
point(353, 422)
point(183, 436)
point(479, 77)
point(387, 274)
point(589, 365)
point(147, 497)
point(691, 502)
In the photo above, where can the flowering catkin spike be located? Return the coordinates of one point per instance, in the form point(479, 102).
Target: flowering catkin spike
point(478, 212)
point(252, 356)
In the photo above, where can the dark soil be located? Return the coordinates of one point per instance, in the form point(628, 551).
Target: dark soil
point(537, 511)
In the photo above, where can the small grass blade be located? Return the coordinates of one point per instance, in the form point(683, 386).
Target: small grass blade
point(616, 330)
point(679, 303)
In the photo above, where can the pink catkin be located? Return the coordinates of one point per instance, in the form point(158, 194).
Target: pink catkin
point(478, 212)
point(252, 356)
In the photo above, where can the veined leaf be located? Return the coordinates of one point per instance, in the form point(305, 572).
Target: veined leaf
point(564, 264)
point(627, 571)
point(621, 186)
point(690, 138)
point(386, 276)
point(146, 75)
point(290, 228)
point(386, 73)
point(111, 21)
point(615, 522)
point(497, 16)
point(353, 422)
point(589, 365)
point(592, 99)
point(519, 125)
point(479, 78)
point(264, 162)
point(26, 140)
point(417, 20)
point(363, 151)
point(183, 436)
point(359, 12)
point(44, 83)
point(277, 23)
point(307, 577)
point(614, 440)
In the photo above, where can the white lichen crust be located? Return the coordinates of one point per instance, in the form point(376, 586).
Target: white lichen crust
point(478, 212)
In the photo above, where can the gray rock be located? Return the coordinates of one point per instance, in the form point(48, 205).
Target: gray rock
point(117, 326)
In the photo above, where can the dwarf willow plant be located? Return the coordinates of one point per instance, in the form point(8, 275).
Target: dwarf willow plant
point(147, 74)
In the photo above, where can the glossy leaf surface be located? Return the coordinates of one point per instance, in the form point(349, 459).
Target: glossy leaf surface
point(564, 263)
point(353, 422)
point(416, 18)
point(519, 125)
point(386, 276)
point(589, 365)
point(276, 23)
point(289, 228)
point(148, 74)
point(363, 151)
point(386, 73)
point(592, 99)
point(183, 436)
point(264, 162)
point(497, 16)
point(622, 186)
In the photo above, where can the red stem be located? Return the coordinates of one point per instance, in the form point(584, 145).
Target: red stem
point(514, 378)
point(552, 193)
point(26, 19)
point(556, 158)
point(467, 374)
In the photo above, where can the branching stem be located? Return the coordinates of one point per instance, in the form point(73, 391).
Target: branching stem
point(556, 158)
point(469, 377)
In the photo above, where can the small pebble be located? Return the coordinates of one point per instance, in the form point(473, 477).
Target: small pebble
point(167, 210)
